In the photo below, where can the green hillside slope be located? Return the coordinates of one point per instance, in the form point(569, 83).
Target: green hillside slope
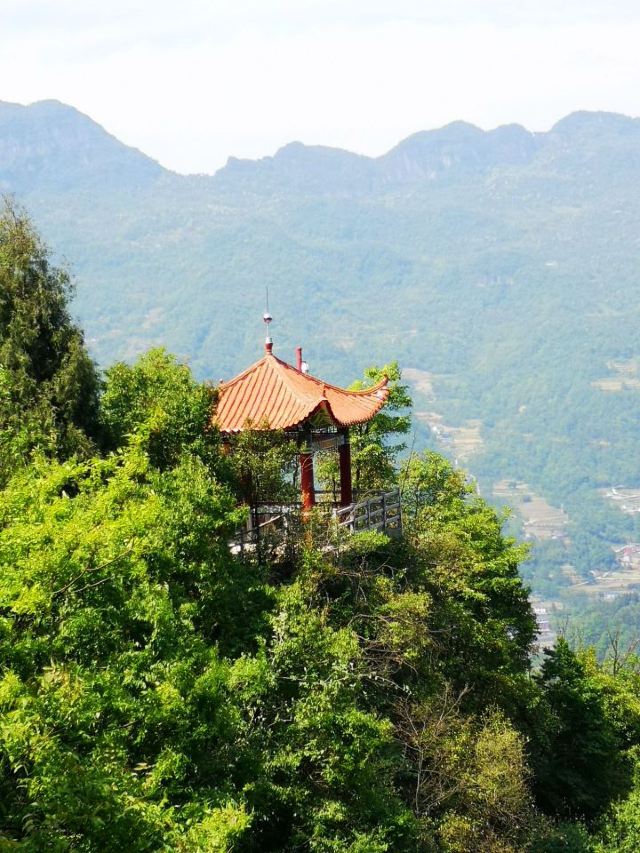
point(501, 268)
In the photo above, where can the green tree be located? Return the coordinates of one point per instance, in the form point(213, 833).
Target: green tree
point(122, 609)
point(471, 568)
point(430, 483)
point(48, 384)
point(373, 446)
point(158, 400)
point(620, 830)
point(580, 766)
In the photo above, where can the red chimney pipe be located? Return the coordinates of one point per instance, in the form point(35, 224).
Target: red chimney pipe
point(299, 359)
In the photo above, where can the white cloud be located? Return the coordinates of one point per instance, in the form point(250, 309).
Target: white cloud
point(192, 83)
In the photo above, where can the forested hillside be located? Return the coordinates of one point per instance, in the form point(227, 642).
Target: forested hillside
point(350, 694)
point(499, 268)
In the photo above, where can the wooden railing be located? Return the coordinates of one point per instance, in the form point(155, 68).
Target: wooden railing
point(381, 511)
point(276, 526)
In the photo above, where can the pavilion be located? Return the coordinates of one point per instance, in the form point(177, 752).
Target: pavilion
point(274, 395)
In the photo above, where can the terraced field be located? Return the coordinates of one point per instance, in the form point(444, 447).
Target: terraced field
point(540, 520)
point(459, 442)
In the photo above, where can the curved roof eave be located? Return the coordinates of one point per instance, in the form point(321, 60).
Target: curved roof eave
point(301, 391)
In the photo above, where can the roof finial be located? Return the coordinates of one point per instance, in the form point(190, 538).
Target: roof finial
point(267, 318)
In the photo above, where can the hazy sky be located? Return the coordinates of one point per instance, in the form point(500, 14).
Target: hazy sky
point(191, 82)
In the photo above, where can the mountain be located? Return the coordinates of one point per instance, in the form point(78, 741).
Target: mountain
point(460, 149)
point(49, 144)
point(499, 267)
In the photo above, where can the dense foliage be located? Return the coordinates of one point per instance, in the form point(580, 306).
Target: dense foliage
point(48, 383)
point(159, 692)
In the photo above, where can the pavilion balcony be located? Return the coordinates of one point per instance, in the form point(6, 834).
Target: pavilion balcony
point(275, 525)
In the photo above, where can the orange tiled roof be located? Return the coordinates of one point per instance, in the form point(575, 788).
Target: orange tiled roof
point(272, 394)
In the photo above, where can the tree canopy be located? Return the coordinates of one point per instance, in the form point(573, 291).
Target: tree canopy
point(368, 695)
point(48, 383)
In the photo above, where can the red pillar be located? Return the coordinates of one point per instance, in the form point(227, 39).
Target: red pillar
point(344, 453)
point(306, 482)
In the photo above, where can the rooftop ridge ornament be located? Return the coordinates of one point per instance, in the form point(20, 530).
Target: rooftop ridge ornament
point(267, 319)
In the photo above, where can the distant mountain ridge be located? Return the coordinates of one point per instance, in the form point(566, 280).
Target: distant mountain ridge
point(453, 151)
point(501, 266)
point(54, 142)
